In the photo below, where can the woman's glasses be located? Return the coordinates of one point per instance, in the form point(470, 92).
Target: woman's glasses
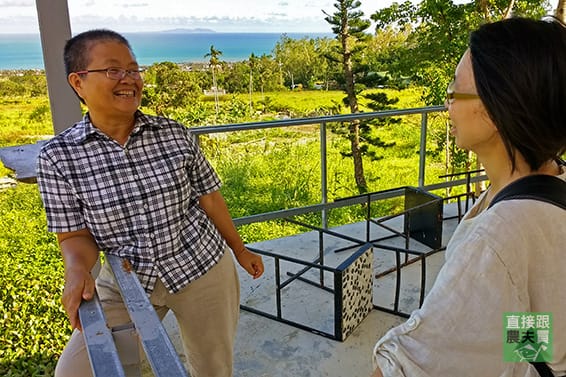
point(451, 95)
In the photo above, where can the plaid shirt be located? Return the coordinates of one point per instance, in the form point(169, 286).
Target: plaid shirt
point(139, 201)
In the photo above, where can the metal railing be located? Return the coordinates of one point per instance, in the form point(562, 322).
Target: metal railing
point(99, 339)
point(323, 122)
point(318, 264)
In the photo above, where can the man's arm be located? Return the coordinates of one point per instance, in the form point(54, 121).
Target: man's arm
point(216, 209)
point(80, 253)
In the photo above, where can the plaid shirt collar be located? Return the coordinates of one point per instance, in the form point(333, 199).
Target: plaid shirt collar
point(85, 129)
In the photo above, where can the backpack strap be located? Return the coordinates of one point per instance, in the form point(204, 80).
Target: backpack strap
point(542, 369)
point(546, 188)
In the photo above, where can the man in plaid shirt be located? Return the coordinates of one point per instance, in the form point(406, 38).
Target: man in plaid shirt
point(139, 187)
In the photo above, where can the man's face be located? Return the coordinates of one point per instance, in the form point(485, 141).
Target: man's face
point(106, 97)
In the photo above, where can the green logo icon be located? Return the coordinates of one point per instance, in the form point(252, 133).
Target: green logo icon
point(527, 337)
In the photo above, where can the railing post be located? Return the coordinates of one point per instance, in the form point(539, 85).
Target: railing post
point(323, 175)
point(422, 150)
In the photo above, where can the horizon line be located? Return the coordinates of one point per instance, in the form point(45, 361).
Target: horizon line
point(186, 31)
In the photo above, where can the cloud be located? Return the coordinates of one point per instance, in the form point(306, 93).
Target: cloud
point(272, 23)
point(17, 3)
point(19, 24)
point(145, 15)
point(135, 5)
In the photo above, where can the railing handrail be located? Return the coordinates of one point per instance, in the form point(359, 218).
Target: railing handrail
point(231, 127)
point(322, 121)
point(99, 342)
point(22, 158)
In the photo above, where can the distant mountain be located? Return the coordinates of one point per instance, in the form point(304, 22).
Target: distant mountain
point(192, 31)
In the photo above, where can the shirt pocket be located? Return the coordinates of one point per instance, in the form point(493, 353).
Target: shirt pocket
point(170, 176)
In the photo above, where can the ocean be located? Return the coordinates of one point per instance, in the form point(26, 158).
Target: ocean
point(23, 51)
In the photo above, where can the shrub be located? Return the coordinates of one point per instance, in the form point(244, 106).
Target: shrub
point(34, 325)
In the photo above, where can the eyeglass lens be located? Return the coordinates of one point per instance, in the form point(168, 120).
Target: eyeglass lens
point(119, 74)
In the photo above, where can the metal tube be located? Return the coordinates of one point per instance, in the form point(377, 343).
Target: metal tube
point(422, 150)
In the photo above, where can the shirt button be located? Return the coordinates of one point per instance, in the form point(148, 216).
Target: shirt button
point(145, 206)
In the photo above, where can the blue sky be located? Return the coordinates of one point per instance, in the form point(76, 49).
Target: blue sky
point(20, 16)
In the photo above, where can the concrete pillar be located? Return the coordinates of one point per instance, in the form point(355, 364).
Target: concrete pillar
point(55, 30)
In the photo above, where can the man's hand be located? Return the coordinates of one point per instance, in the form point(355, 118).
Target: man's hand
point(80, 253)
point(79, 285)
point(251, 262)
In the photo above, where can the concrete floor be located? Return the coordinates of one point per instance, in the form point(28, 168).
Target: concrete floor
point(269, 348)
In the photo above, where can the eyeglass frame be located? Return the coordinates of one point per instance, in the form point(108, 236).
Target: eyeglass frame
point(133, 73)
point(451, 95)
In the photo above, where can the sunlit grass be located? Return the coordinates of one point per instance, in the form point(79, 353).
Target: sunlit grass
point(24, 120)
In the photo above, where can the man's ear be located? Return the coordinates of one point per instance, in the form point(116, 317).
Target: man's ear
point(76, 83)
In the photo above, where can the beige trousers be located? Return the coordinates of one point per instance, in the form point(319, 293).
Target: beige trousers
point(207, 311)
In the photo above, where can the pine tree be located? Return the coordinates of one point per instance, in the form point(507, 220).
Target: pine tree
point(349, 27)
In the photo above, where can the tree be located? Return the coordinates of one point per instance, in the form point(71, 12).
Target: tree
point(385, 58)
point(267, 76)
point(214, 62)
point(349, 28)
point(236, 77)
point(252, 63)
point(326, 69)
point(29, 83)
point(370, 142)
point(302, 61)
point(438, 35)
point(168, 87)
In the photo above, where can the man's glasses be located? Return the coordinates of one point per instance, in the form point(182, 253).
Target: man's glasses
point(116, 73)
point(451, 95)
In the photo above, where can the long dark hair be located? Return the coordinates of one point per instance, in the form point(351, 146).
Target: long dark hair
point(519, 67)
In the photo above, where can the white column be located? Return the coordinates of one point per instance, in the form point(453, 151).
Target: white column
point(55, 30)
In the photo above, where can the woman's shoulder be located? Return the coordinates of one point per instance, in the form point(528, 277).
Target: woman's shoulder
point(509, 227)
